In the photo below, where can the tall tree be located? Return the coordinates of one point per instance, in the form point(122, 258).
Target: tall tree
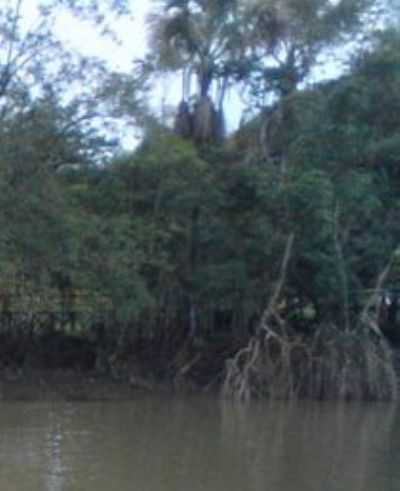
point(286, 39)
point(197, 38)
point(50, 115)
point(34, 63)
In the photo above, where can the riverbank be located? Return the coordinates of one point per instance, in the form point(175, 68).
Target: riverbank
point(325, 366)
point(64, 366)
point(70, 385)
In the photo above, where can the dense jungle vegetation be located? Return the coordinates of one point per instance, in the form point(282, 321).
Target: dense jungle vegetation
point(264, 262)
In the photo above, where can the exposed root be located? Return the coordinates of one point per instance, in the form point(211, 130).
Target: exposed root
point(331, 364)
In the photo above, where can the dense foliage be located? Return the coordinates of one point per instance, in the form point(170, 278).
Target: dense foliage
point(171, 254)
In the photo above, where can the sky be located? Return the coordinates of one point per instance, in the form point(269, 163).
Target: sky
point(131, 31)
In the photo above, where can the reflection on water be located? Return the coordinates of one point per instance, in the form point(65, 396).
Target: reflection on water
point(199, 444)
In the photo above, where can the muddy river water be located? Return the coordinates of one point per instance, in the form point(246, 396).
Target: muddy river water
point(198, 444)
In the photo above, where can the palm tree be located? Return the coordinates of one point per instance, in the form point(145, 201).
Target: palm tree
point(287, 38)
point(197, 38)
point(285, 41)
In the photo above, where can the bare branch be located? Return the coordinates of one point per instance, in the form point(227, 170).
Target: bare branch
point(270, 311)
point(365, 317)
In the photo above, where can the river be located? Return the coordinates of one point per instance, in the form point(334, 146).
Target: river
point(199, 444)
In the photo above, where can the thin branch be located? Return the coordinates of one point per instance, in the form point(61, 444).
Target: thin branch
point(365, 318)
point(270, 311)
point(342, 269)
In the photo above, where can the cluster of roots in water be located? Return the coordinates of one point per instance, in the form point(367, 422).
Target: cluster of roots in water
point(332, 363)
